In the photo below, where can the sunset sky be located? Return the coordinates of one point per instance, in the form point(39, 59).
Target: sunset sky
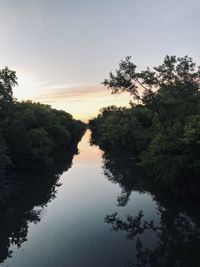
point(63, 49)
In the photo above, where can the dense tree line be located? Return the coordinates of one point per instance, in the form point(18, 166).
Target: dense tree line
point(33, 136)
point(161, 129)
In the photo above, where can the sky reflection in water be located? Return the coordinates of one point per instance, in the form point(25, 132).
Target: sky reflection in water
point(74, 229)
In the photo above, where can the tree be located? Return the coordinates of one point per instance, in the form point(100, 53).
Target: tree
point(4, 158)
point(170, 84)
point(162, 130)
point(8, 80)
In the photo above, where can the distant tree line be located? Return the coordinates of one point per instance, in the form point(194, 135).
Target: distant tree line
point(33, 136)
point(161, 129)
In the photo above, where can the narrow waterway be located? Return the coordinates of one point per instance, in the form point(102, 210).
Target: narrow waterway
point(73, 230)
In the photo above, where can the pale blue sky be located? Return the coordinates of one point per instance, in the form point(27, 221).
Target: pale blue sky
point(67, 46)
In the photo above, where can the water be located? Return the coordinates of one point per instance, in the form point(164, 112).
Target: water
point(84, 223)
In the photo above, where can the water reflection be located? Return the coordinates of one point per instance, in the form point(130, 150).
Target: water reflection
point(159, 231)
point(171, 240)
point(26, 204)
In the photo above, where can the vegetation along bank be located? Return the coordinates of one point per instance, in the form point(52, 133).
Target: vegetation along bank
point(33, 137)
point(160, 131)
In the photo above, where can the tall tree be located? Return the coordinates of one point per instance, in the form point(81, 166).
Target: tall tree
point(173, 82)
point(8, 80)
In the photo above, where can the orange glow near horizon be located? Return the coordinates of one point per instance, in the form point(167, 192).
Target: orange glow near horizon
point(83, 103)
point(87, 153)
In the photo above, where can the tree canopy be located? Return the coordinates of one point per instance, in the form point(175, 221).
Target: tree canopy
point(161, 128)
point(8, 80)
point(32, 135)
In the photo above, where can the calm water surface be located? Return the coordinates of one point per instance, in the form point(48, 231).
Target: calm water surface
point(102, 215)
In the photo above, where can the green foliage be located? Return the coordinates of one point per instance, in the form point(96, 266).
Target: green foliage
point(33, 135)
point(164, 160)
point(191, 138)
point(36, 133)
point(41, 145)
point(8, 79)
point(4, 158)
point(122, 128)
point(162, 130)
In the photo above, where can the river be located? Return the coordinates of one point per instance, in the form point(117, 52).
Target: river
point(96, 219)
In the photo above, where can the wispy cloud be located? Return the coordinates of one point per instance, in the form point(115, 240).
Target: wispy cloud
point(74, 94)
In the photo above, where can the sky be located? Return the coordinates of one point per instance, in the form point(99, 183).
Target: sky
point(62, 50)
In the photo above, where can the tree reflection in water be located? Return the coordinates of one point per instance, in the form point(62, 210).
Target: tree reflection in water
point(174, 240)
point(27, 204)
